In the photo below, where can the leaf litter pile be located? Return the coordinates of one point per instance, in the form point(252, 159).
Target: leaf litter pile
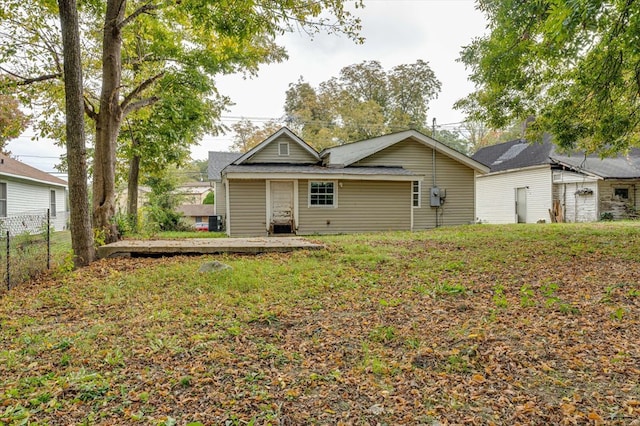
point(470, 325)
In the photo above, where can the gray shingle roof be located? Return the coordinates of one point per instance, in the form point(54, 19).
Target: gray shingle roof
point(519, 153)
point(291, 169)
point(514, 155)
point(9, 166)
point(344, 155)
point(218, 161)
point(620, 167)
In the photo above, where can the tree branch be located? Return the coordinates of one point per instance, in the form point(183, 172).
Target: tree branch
point(145, 8)
point(134, 106)
point(30, 80)
point(90, 109)
point(138, 90)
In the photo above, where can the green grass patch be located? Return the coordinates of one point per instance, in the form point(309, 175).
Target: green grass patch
point(385, 328)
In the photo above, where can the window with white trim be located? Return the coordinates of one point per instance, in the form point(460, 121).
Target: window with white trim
point(283, 149)
point(322, 193)
point(52, 201)
point(415, 193)
point(3, 199)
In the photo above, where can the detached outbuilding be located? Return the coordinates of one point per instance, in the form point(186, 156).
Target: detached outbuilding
point(534, 182)
point(401, 181)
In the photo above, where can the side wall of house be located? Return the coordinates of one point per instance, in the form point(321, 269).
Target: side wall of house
point(453, 177)
point(270, 153)
point(362, 206)
point(247, 208)
point(496, 195)
point(25, 197)
point(617, 205)
point(219, 199)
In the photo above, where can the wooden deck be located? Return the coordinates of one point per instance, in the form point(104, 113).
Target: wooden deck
point(129, 248)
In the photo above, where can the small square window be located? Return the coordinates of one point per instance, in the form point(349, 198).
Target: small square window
point(283, 149)
point(621, 193)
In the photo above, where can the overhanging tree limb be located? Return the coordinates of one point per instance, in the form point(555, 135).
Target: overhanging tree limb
point(30, 80)
point(145, 8)
point(137, 91)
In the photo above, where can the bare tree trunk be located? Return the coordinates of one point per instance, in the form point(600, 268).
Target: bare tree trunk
point(108, 123)
point(132, 190)
point(81, 231)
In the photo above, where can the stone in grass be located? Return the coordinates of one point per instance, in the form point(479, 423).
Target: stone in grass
point(214, 266)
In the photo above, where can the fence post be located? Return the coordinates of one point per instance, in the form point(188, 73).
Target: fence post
point(48, 239)
point(8, 263)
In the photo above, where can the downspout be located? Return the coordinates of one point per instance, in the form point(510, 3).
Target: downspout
point(433, 161)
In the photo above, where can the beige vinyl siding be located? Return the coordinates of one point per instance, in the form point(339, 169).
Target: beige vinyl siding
point(362, 206)
point(247, 200)
point(219, 199)
point(495, 195)
point(270, 153)
point(456, 178)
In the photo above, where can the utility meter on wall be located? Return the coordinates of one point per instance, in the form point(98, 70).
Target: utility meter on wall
point(437, 196)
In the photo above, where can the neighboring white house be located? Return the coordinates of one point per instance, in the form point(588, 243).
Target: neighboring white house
point(533, 182)
point(25, 191)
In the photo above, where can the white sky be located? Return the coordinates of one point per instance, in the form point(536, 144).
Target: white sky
point(396, 31)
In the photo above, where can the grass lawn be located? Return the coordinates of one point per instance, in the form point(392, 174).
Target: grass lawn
point(528, 324)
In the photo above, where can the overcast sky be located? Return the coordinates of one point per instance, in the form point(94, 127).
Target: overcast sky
point(396, 31)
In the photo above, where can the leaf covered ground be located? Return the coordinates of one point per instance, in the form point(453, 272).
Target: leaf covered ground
point(470, 325)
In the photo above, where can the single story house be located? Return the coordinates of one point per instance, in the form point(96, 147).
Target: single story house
point(26, 192)
point(400, 181)
point(195, 213)
point(535, 182)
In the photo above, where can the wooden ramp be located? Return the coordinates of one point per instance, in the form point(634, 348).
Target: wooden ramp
point(129, 248)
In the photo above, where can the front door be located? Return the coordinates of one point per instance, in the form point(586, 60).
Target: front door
point(521, 205)
point(281, 207)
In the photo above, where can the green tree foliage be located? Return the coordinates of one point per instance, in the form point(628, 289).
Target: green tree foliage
point(247, 134)
point(209, 198)
point(12, 120)
point(363, 102)
point(131, 47)
point(160, 209)
point(453, 139)
point(160, 136)
point(573, 65)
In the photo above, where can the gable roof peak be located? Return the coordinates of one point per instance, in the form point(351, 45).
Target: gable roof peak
point(283, 131)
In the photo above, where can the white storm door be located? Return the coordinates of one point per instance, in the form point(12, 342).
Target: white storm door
point(281, 202)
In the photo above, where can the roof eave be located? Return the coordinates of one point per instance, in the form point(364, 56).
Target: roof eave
point(30, 179)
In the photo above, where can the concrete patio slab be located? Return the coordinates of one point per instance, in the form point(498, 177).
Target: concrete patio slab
point(205, 246)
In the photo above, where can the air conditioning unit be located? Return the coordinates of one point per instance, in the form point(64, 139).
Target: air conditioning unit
point(215, 223)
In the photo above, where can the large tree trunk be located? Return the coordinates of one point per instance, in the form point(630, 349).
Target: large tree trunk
point(108, 123)
point(81, 232)
point(132, 190)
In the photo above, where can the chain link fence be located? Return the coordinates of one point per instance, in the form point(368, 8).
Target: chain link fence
point(26, 246)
